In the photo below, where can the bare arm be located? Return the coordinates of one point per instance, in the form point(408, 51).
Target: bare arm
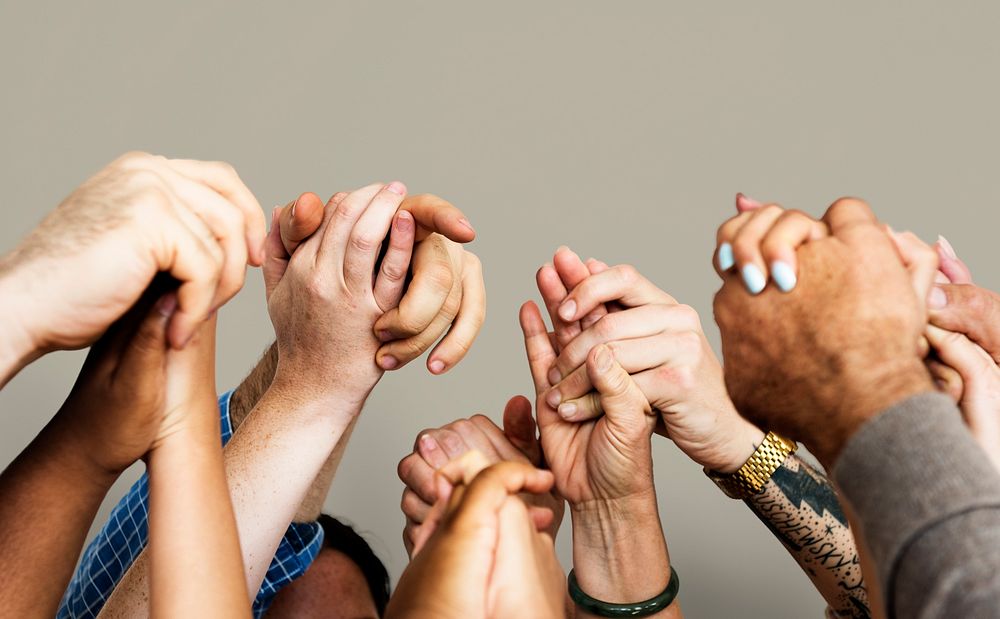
point(245, 398)
point(800, 507)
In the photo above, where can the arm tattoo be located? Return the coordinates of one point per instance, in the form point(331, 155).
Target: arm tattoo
point(800, 507)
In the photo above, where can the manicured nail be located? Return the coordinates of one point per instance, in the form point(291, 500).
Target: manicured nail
point(397, 188)
point(465, 222)
point(747, 202)
point(167, 304)
point(784, 275)
point(726, 260)
point(753, 279)
point(567, 410)
point(384, 336)
point(436, 366)
point(553, 398)
point(937, 298)
point(947, 248)
point(568, 310)
point(389, 362)
point(555, 376)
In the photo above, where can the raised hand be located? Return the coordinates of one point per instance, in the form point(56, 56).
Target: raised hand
point(446, 291)
point(326, 302)
point(862, 312)
point(100, 249)
point(659, 342)
point(481, 555)
point(435, 448)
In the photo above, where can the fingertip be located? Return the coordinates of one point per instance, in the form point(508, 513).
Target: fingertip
point(436, 366)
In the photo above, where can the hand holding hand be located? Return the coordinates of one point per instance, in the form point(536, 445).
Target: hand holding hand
point(326, 301)
point(100, 249)
point(446, 292)
point(659, 342)
point(602, 460)
point(482, 556)
point(435, 448)
point(819, 361)
point(116, 407)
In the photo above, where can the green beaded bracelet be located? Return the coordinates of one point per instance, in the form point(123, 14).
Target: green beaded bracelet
point(639, 609)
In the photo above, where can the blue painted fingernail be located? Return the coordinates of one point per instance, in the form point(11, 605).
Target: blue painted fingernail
point(784, 275)
point(726, 257)
point(753, 278)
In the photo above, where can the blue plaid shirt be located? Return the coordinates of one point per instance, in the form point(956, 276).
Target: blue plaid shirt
point(124, 535)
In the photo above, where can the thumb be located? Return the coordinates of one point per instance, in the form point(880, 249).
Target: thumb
point(519, 428)
point(623, 402)
point(146, 352)
point(969, 310)
point(301, 219)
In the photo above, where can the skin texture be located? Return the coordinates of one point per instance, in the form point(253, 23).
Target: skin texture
point(856, 306)
point(195, 563)
point(435, 448)
point(324, 307)
point(195, 220)
point(481, 555)
point(796, 504)
point(54, 487)
point(333, 587)
point(603, 468)
point(446, 294)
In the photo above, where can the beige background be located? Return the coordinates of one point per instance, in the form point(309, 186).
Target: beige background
point(622, 129)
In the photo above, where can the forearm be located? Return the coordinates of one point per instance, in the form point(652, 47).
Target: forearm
point(50, 496)
point(801, 508)
point(312, 505)
point(195, 562)
point(271, 464)
point(619, 553)
point(252, 388)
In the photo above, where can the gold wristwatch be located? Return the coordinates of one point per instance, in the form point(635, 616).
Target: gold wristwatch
point(750, 478)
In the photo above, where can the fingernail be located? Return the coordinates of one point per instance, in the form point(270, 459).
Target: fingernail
point(937, 298)
point(397, 188)
point(947, 248)
point(553, 398)
point(292, 212)
point(568, 310)
point(465, 222)
point(167, 304)
point(747, 201)
point(404, 221)
point(389, 362)
point(567, 410)
point(753, 278)
point(427, 443)
point(384, 336)
point(436, 366)
point(783, 275)
point(554, 376)
point(726, 260)
point(603, 358)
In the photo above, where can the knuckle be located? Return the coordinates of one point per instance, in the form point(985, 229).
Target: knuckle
point(606, 326)
point(627, 273)
point(363, 242)
point(393, 271)
point(405, 469)
point(687, 316)
point(746, 247)
point(847, 202)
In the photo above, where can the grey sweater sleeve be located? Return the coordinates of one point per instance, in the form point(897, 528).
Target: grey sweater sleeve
point(928, 504)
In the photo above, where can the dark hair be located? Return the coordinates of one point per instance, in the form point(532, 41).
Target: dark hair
point(343, 538)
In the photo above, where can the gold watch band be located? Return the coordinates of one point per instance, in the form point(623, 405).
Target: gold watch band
point(750, 478)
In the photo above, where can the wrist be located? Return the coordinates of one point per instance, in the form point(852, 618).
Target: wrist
point(864, 400)
point(331, 402)
point(18, 345)
point(619, 553)
point(739, 441)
